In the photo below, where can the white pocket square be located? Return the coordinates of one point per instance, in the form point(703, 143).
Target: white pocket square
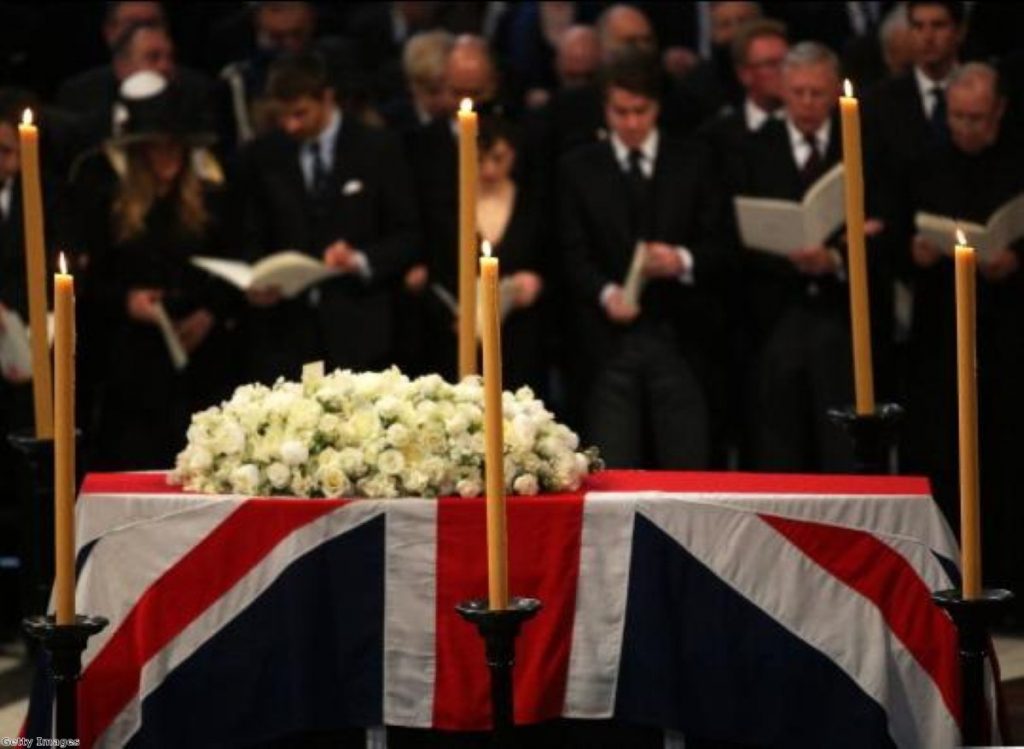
point(352, 187)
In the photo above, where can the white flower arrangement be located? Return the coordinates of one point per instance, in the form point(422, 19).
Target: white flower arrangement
point(373, 434)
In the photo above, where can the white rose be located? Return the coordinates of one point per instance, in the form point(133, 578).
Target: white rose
point(294, 453)
point(245, 479)
point(364, 425)
point(229, 438)
point(330, 425)
point(525, 484)
point(351, 461)
point(456, 424)
point(469, 487)
point(333, 481)
point(415, 481)
point(304, 414)
point(391, 462)
point(302, 485)
point(381, 487)
point(199, 459)
point(388, 407)
point(398, 435)
point(279, 475)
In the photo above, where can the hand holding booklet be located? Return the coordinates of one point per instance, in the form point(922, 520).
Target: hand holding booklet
point(290, 271)
point(15, 353)
point(633, 284)
point(1003, 228)
point(783, 226)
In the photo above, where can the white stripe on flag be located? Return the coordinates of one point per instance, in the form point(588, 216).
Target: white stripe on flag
point(291, 548)
point(606, 545)
point(132, 551)
point(763, 566)
point(410, 613)
point(913, 517)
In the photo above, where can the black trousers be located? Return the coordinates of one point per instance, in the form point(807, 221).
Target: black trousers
point(646, 408)
point(802, 369)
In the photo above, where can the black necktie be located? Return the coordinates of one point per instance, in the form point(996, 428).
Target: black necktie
point(318, 183)
point(938, 121)
point(637, 182)
point(813, 167)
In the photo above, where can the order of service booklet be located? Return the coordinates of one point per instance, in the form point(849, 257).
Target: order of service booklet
point(783, 226)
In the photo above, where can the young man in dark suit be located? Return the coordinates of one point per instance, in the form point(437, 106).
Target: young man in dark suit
point(905, 115)
point(795, 320)
point(340, 192)
point(645, 405)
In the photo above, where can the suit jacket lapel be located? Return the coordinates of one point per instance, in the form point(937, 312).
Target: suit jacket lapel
point(613, 182)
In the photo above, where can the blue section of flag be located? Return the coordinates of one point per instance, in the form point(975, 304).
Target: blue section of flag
point(307, 655)
point(699, 657)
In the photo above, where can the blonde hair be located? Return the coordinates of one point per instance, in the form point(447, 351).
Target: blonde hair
point(138, 191)
point(426, 55)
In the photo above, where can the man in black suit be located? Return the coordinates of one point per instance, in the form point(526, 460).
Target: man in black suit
point(644, 402)
point(970, 178)
point(757, 52)
point(795, 307)
point(145, 45)
point(903, 116)
point(326, 185)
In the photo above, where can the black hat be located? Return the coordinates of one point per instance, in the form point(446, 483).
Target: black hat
point(150, 107)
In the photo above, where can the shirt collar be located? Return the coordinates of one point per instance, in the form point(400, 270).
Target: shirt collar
point(328, 137)
point(926, 84)
point(754, 116)
point(6, 196)
point(649, 148)
point(821, 135)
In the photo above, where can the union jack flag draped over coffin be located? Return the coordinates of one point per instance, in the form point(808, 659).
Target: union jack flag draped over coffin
point(759, 609)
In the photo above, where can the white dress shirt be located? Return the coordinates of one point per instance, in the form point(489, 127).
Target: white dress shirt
point(754, 116)
point(801, 148)
point(648, 156)
point(326, 142)
point(801, 153)
point(6, 196)
point(926, 85)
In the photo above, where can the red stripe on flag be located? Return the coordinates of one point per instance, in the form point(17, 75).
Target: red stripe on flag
point(880, 574)
point(181, 594)
point(129, 483)
point(544, 556)
point(756, 483)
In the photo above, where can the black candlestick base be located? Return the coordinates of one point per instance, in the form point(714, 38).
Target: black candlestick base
point(873, 435)
point(499, 630)
point(64, 643)
point(36, 511)
point(972, 618)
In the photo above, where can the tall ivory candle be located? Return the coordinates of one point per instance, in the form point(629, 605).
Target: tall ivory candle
point(967, 398)
point(468, 167)
point(35, 268)
point(860, 314)
point(64, 442)
point(494, 433)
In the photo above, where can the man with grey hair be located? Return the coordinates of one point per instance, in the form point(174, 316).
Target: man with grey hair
point(794, 316)
point(970, 178)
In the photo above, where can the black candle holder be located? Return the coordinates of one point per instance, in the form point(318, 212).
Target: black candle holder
point(873, 435)
point(499, 630)
point(64, 643)
point(37, 517)
point(973, 617)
